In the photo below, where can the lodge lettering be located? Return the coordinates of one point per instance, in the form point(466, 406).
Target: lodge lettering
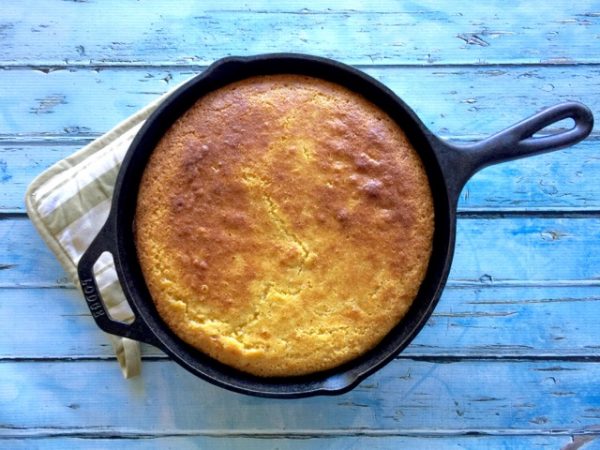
point(92, 298)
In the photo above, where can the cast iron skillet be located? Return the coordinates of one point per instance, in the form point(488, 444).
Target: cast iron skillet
point(448, 167)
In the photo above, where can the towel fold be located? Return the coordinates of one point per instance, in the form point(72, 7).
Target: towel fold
point(68, 204)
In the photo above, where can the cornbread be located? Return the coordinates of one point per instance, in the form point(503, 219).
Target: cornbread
point(284, 225)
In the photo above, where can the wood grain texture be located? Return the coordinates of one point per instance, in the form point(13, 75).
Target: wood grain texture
point(406, 397)
point(452, 102)
point(488, 322)
point(424, 33)
point(353, 442)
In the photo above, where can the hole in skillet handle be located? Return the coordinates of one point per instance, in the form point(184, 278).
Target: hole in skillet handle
point(89, 286)
point(460, 162)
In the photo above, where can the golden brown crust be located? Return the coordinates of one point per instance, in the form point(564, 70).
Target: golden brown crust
point(284, 225)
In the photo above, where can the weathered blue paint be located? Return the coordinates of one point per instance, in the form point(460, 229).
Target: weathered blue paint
point(404, 398)
point(425, 32)
point(334, 442)
point(451, 101)
point(511, 356)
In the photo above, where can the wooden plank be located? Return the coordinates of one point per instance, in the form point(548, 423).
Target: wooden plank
point(452, 102)
point(354, 442)
point(563, 180)
point(509, 322)
point(199, 32)
point(510, 250)
point(525, 249)
point(486, 322)
point(61, 320)
point(406, 397)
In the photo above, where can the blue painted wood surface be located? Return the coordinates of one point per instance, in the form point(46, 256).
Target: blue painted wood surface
point(358, 442)
point(511, 356)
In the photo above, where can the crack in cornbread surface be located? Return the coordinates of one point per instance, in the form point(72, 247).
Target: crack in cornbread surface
point(284, 225)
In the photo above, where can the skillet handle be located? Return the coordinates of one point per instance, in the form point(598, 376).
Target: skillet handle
point(462, 161)
point(135, 330)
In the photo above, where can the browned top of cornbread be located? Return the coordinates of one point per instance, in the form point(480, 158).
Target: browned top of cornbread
point(284, 225)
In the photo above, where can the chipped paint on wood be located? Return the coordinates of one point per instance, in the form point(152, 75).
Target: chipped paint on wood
point(453, 103)
point(98, 440)
point(435, 397)
point(355, 33)
point(46, 105)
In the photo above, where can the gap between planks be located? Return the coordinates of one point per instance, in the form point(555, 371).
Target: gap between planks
point(80, 138)
point(441, 359)
point(451, 284)
point(46, 67)
point(7, 432)
point(464, 214)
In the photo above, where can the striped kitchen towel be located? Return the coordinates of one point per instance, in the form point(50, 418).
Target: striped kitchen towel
point(69, 203)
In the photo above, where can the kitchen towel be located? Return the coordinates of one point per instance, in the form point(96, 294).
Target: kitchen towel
point(68, 204)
